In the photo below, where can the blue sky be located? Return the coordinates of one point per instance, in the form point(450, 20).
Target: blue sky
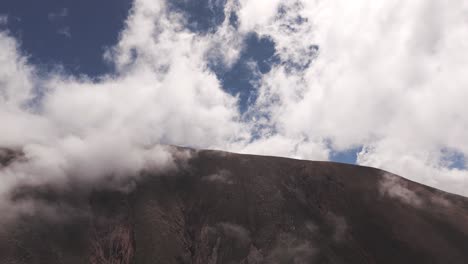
point(72, 36)
point(375, 84)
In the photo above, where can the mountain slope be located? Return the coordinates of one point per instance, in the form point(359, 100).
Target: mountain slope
point(229, 208)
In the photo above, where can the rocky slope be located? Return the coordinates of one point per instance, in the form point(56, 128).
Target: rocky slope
point(228, 208)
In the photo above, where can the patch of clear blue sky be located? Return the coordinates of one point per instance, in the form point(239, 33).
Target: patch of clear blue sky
point(348, 156)
point(454, 159)
point(74, 34)
point(67, 32)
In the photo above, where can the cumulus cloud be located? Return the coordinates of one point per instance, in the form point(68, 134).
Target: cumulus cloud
point(71, 127)
point(384, 75)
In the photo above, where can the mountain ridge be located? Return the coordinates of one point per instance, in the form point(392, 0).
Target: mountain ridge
point(222, 207)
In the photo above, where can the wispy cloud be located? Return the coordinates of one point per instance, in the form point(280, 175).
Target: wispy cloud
point(60, 14)
point(222, 176)
point(65, 31)
point(394, 187)
point(3, 19)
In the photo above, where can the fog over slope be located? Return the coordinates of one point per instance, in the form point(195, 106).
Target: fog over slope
point(216, 207)
point(387, 76)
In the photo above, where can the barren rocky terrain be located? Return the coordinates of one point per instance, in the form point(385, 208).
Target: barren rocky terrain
point(219, 207)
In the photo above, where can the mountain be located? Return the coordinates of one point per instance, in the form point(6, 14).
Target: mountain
point(219, 207)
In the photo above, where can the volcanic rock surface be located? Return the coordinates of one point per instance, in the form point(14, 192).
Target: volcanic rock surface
point(221, 207)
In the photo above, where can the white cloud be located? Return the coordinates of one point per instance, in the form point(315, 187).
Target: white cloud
point(87, 129)
point(389, 76)
point(255, 14)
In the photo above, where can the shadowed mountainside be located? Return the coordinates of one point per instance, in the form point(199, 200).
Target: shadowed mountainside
point(221, 207)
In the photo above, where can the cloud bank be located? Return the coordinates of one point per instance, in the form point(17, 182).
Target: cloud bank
point(387, 76)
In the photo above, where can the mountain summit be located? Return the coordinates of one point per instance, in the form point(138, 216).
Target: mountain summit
point(219, 207)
